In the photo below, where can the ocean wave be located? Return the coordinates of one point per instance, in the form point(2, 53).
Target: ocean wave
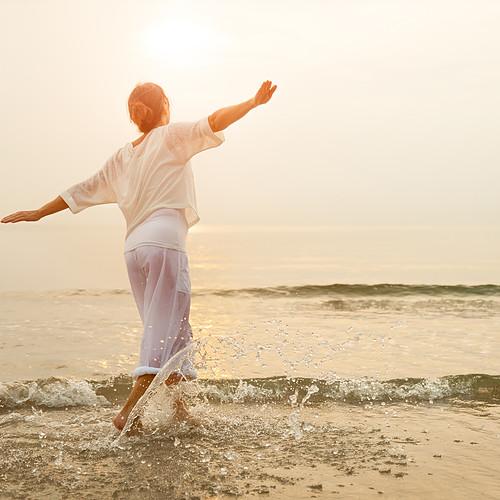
point(363, 290)
point(62, 392)
point(449, 305)
point(53, 392)
point(355, 390)
point(305, 291)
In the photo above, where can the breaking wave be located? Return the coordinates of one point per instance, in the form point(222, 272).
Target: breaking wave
point(62, 392)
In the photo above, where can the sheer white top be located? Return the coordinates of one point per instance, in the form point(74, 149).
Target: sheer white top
point(155, 174)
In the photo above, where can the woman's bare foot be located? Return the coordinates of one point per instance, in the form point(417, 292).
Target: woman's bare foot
point(180, 410)
point(142, 383)
point(120, 420)
point(181, 413)
point(139, 388)
point(173, 378)
point(136, 427)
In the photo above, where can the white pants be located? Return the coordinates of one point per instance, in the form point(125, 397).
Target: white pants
point(159, 278)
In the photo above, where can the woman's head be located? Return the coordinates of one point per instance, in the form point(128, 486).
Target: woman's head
point(148, 106)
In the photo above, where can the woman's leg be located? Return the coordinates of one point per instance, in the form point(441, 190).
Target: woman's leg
point(161, 287)
point(168, 319)
point(166, 301)
point(138, 278)
point(139, 388)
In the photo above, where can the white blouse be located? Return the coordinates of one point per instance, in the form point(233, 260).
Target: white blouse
point(155, 174)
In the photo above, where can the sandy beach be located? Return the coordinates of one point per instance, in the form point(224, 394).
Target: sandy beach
point(305, 390)
point(328, 451)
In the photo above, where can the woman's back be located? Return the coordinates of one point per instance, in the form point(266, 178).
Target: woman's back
point(165, 227)
point(155, 174)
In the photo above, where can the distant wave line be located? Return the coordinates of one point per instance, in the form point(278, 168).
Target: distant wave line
point(310, 290)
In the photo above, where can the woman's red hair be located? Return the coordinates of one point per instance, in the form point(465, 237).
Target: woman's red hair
point(145, 105)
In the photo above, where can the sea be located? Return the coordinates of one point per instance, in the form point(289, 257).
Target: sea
point(333, 362)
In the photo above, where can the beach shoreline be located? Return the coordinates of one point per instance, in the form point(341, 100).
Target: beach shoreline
point(274, 451)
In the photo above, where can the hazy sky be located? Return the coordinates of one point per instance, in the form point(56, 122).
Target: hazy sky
point(386, 112)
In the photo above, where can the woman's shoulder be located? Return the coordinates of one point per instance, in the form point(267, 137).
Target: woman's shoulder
point(118, 158)
point(177, 133)
point(172, 133)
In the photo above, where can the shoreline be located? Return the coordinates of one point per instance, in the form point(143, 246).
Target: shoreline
point(245, 451)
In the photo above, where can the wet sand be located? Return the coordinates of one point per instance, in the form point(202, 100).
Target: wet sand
point(270, 450)
point(325, 391)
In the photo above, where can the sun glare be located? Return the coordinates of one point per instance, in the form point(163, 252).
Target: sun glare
point(182, 43)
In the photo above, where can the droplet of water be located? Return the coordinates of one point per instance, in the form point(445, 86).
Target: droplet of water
point(230, 455)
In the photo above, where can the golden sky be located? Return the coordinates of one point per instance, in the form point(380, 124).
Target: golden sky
point(386, 112)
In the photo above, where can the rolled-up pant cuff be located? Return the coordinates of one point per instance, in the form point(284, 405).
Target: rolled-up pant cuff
point(188, 371)
point(145, 370)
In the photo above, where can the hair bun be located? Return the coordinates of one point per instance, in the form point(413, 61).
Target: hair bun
point(139, 112)
point(146, 104)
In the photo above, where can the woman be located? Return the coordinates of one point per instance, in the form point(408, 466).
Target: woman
point(152, 182)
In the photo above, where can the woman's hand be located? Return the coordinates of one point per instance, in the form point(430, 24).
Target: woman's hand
point(25, 215)
point(222, 118)
point(264, 93)
point(56, 205)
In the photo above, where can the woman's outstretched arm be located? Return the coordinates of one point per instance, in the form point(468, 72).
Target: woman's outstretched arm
point(95, 190)
point(223, 117)
point(56, 205)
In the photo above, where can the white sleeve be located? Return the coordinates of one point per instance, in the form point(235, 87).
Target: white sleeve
point(95, 190)
point(193, 137)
